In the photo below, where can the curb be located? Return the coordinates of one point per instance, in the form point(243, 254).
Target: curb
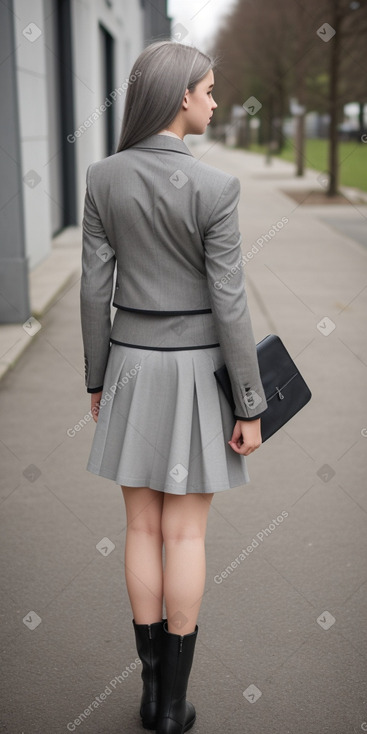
point(47, 281)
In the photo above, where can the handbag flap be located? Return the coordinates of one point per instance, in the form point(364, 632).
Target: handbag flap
point(275, 364)
point(285, 389)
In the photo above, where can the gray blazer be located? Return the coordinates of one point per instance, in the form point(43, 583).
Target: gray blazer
point(169, 224)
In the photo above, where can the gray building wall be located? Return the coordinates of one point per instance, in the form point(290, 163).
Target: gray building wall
point(157, 25)
point(14, 297)
point(54, 75)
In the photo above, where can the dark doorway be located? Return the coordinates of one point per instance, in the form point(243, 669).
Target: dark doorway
point(66, 112)
point(108, 85)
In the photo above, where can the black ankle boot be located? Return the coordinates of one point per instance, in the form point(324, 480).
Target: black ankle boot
point(149, 644)
point(176, 715)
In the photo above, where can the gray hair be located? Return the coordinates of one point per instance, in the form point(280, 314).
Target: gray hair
point(158, 81)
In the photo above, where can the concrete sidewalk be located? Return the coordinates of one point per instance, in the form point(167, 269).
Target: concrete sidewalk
point(47, 281)
point(282, 643)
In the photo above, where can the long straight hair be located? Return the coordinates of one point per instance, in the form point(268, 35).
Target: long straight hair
point(157, 85)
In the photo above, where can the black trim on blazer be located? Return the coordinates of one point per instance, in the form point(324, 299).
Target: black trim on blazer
point(164, 349)
point(247, 419)
point(166, 313)
point(94, 389)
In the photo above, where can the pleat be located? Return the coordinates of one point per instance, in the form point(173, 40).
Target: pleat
point(168, 426)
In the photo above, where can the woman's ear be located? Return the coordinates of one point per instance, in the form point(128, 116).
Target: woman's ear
point(185, 101)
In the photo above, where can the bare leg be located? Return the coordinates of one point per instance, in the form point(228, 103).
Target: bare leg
point(143, 553)
point(184, 520)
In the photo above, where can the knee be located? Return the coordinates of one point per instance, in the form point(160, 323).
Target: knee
point(181, 534)
point(145, 527)
point(184, 518)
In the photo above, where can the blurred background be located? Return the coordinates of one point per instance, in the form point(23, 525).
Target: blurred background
point(313, 94)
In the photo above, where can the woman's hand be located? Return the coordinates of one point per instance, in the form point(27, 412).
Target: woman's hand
point(95, 399)
point(246, 437)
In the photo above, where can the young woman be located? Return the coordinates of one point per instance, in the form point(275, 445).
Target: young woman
point(165, 433)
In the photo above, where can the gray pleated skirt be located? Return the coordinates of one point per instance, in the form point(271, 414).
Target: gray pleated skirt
point(164, 423)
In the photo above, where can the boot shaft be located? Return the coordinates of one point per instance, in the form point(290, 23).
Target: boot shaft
point(176, 715)
point(148, 639)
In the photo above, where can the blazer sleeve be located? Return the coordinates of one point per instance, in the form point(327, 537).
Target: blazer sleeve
point(98, 265)
point(226, 283)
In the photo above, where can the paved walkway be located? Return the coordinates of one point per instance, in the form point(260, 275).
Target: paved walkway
point(282, 644)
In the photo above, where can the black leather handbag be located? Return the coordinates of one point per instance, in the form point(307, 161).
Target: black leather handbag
point(285, 390)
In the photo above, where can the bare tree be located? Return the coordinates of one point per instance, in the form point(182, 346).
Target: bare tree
point(349, 22)
point(309, 49)
point(264, 53)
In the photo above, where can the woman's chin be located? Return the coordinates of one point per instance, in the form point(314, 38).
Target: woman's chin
point(197, 130)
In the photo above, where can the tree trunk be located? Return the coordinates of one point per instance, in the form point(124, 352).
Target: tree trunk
point(300, 142)
point(280, 119)
point(269, 130)
point(300, 91)
point(361, 120)
point(333, 103)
